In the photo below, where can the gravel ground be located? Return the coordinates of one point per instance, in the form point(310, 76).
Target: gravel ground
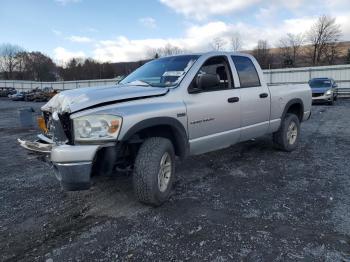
point(249, 202)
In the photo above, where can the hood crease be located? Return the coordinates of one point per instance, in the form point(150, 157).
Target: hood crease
point(71, 101)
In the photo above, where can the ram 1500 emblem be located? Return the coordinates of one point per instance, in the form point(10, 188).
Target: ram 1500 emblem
point(202, 120)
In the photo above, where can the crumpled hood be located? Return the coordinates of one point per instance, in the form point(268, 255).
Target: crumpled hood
point(77, 99)
point(320, 89)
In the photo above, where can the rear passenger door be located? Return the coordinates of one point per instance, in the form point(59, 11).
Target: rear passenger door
point(254, 100)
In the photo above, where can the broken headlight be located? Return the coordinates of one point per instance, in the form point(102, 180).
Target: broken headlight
point(96, 127)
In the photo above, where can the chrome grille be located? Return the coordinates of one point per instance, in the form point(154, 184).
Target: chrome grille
point(55, 129)
point(58, 132)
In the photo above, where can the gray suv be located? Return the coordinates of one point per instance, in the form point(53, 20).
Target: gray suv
point(324, 90)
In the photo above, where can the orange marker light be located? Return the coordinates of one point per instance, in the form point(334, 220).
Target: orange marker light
point(114, 126)
point(41, 124)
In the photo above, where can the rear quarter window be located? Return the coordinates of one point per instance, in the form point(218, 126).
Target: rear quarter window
point(248, 76)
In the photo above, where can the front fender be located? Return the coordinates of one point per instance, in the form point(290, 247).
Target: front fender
point(179, 131)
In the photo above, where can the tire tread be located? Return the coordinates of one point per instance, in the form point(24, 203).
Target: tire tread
point(146, 165)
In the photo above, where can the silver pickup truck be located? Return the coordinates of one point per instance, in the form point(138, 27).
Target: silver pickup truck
point(173, 106)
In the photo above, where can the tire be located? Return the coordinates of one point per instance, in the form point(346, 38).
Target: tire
point(332, 101)
point(151, 185)
point(282, 138)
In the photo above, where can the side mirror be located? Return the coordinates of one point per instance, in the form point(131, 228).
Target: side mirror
point(206, 82)
point(335, 85)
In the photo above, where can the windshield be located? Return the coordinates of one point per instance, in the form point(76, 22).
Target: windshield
point(163, 72)
point(316, 83)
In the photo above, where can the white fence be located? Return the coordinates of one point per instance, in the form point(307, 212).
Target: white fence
point(59, 85)
point(340, 73)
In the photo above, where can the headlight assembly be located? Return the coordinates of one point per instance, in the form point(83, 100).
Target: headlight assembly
point(328, 92)
point(96, 127)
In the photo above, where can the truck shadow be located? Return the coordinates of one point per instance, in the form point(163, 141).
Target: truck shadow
point(114, 197)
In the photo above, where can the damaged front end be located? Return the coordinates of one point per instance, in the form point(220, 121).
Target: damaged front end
point(55, 130)
point(38, 146)
point(74, 148)
point(72, 165)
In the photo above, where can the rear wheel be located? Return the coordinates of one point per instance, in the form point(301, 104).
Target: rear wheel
point(287, 137)
point(154, 171)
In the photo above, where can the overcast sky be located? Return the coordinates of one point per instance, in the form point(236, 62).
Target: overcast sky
point(122, 30)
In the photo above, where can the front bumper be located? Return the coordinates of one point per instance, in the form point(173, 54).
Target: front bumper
point(323, 98)
point(73, 165)
point(74, 176)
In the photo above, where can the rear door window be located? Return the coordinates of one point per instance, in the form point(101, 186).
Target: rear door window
point(248, 76)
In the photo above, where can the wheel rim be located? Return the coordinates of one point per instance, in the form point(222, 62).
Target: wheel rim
point(165, 170)
point(292, 133)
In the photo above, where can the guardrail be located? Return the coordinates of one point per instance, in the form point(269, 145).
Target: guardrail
point(344, 92)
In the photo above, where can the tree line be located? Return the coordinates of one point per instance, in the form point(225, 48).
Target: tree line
point(319, 45)
point(15, 63)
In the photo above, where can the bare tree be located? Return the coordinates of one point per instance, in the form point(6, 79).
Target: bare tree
point(236, 42)
point(290, 48)
point(40, 67)
point(332, 51)
point(170, 50)
point(347, 58)
point(218, 43)
point(21, 66)
point(324, 33)
point(8, 59)
point(262, 53)
point(167, 50)
point(153, 53)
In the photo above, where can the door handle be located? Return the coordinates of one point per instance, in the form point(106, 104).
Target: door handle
point(233, 99)
point(264, 95)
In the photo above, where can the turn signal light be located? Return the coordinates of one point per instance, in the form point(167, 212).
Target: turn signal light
point(42, 124)
point(114, 126)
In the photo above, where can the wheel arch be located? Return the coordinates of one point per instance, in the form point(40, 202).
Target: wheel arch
point(295, 106)
point(163, 127)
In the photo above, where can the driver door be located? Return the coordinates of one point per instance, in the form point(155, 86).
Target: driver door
point(213, 108)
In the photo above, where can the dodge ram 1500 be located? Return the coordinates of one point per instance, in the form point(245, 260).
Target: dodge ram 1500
point(173, 106)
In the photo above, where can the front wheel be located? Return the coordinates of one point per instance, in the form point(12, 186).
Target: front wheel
point(287, 137)
point(154, 171)
point(331, 102)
